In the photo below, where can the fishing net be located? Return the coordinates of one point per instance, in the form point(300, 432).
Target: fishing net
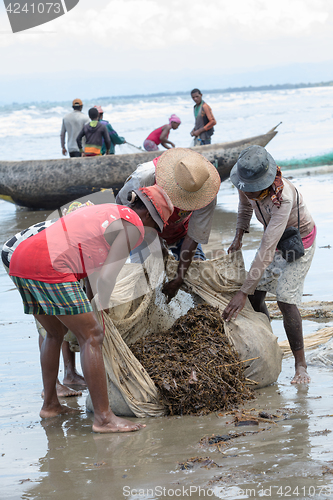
point(132, 390)
point(125, 149)
point(312, 341)
point(323, 355)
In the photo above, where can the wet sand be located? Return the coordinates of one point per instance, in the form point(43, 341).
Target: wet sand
point(62, 458)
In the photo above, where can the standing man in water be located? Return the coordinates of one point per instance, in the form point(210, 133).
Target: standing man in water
point(277, 205)
point(72, 124)
point(204, 120)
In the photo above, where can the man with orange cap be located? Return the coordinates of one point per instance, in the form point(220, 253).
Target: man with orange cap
point(192, 184)
point(72, 124)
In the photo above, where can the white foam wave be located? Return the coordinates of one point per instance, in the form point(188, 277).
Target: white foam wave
point(306, 115)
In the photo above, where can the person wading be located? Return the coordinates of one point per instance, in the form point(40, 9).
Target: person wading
point(161, 134)
point(204, 120)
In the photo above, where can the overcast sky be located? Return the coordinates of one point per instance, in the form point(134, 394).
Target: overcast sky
point(141, 46)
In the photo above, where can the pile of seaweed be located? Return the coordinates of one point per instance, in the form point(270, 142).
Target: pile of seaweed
point(194, 365)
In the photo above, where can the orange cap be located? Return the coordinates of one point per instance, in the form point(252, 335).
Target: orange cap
point(157, 202)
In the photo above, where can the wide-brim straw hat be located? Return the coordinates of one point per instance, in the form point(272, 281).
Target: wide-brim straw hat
point(190, 180)
point(255, 170)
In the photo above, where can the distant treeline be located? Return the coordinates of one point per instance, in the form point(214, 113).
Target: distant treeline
point(250, 88)
point(273, 87)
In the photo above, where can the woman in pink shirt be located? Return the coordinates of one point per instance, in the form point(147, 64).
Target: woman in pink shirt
point(161, 134)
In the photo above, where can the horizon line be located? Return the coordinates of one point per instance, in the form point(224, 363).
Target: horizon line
point(249, 88)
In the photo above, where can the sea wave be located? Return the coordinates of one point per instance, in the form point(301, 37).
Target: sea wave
point(32, 130)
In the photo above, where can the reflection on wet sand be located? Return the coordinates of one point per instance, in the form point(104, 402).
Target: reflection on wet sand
point(93, 465)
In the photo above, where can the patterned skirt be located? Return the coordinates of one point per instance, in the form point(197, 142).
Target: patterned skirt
point(52, 298)
point(150, 145)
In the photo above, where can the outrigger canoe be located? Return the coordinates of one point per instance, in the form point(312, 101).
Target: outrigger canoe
point(50, 184)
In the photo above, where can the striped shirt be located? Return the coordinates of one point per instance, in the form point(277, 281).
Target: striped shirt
point(10, 245)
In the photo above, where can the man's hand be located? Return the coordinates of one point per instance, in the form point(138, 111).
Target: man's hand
point(237, 243)
point(64, 151)
point(235, 306)
point(171, 288)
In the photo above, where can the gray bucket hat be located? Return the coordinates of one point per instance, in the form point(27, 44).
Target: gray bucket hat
point(255, 170)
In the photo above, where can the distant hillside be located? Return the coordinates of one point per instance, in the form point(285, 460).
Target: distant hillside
point(234, 89)
point(273, 87)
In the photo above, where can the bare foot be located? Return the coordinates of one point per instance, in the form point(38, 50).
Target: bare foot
point(74, 379)
point(116, 424)
point(301, 376)
point(54, 411)
point(65, 392)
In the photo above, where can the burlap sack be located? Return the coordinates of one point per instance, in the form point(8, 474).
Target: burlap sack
point(139, 308)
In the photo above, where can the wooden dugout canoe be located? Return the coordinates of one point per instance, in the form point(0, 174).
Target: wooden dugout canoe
point(49, 184)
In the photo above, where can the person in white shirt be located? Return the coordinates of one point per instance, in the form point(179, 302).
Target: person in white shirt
point(72, 124)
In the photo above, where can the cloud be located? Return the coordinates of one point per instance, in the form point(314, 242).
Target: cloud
point(147, 24)
point(133, 35)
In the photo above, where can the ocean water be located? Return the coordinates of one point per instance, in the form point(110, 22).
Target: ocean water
point(32, 130)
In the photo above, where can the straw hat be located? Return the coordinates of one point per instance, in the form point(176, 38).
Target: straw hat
point(190, 180)
point(255, 170)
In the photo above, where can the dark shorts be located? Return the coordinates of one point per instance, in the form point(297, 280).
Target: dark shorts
point(52, 299)
point(140, 253)
point(175, 249)
point(202, 142)
point(75, 154)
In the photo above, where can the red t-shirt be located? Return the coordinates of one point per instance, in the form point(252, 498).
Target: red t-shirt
point(155, 135)
point(73, 247)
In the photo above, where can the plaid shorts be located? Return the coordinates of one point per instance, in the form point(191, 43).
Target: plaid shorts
point(52, 298)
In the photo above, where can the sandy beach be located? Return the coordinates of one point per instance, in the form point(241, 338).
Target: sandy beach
point(289, 456)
